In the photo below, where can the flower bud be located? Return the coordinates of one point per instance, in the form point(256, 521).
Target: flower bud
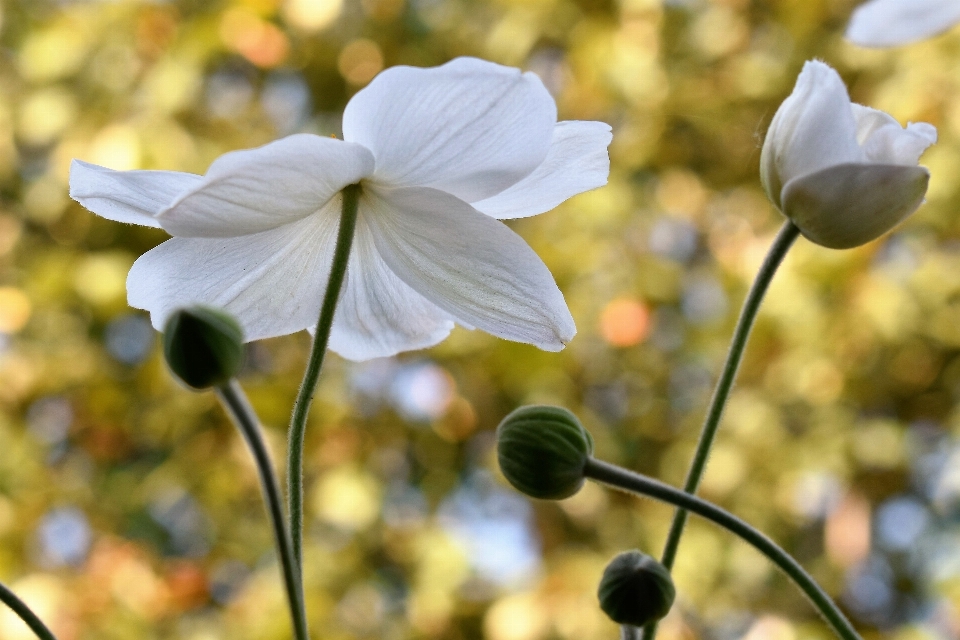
point(636, 589)
point(543, 451)
point(203, 346)
point(845, 174)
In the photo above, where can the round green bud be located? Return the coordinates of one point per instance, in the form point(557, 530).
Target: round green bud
point(543, 451)
point(203, 346)
point(636, 589)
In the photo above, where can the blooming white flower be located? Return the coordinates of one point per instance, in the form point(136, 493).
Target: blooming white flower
point(440, 154)
point(843, 173)
point(891, 23)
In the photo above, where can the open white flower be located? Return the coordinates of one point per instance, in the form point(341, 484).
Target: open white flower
point(440, 154)
point(891, 23)
point(843, 173)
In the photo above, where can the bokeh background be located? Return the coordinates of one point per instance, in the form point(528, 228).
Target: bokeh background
point(129, 507)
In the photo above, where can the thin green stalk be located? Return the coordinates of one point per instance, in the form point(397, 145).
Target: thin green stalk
point(26, 614)
point(298, 421)
point(637, 484)
point(239, 409)
point(778, 251)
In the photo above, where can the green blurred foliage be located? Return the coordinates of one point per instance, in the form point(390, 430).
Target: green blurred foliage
point(130, 509)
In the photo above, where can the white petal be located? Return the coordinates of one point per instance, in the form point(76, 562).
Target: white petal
point(885, 142)
point(890, 23)
point(468, 264)
point(254, 190)
point(849, 205)
point(814, 128)
point(378, 314)
point(577, 161)
point(272, 282)
point(135, 197)
point(470, 127)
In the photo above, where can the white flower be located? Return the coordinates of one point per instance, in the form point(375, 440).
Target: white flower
point(440, 154)
point(891, 23)
point(845, 174)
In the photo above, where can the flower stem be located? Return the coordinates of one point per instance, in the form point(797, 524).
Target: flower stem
point(26, 614)
point(637, 484)
point(298, 421)
point(778, 251)
point(239, 409)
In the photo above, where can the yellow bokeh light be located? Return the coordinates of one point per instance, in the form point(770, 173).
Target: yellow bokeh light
point(312, 15)
point(117, 147)
point(45, 114)
point(771, 628)
point(15, 309)
point(347, 497)
point(516, 617)
point(45, 199)
point(360, 61)
point(101, 279)
point(44, 594)
point(52, 54)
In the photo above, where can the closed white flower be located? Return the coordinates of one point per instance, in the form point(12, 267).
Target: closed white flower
point(891, 23)
point(843, 173)
point(439, 155)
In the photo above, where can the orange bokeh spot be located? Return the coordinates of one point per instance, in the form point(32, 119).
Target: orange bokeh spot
point(625, 322)
point(257, 40)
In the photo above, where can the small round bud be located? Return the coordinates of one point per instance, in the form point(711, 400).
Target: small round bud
point(543, 450)
point(636, 589)
point(203, 346)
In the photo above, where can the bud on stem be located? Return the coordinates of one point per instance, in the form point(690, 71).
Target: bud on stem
point(203, 346)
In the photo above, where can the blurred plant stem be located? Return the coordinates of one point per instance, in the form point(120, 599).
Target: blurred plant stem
point(751, 305)
point(26, 614)
point(301, 408)
point(239, 409)
point(618, 478)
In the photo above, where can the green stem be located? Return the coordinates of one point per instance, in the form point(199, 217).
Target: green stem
point(778, 251)
point(637, 484)
point(239, 409)
point(26, 614)
point(298, 421)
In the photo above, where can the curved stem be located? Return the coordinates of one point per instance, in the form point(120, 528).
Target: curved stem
point(239, 409)
point(751, 305)
point(635, 483)
point(298, 421)
point(26, 614)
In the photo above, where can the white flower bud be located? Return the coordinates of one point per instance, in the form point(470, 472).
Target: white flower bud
point(843, 173)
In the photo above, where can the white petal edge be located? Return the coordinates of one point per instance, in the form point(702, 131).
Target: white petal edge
point(577, 161)
point(254, 190)
point(849, 205)
point(891, 23)
point(470, 127)
point(134, 197)
point(813, 129)
point(378, 314)
point(272, 282)
point(468, 264)
point(884, 141)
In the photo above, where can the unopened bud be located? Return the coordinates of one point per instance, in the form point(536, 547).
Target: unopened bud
point(636, 589)
point(543, 450)
point(203, 346)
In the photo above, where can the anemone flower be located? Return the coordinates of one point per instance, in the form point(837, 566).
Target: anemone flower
point(441, 155)
point(843, 173)
point(891, 23)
